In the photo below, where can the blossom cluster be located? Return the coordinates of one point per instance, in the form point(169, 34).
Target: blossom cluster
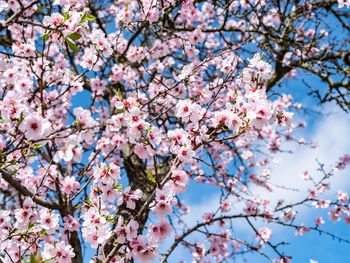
point(108, 115)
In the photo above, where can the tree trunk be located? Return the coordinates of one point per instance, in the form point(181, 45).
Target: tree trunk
point(136, 172)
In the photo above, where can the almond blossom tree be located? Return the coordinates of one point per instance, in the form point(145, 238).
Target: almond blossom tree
point(111, 109)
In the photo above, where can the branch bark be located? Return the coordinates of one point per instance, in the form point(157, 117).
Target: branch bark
point(24, 191)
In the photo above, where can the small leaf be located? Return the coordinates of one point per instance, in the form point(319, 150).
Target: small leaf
point(110, 218)
point(39, 9)
point(118, 93)
point(88, 202)
point(13, 162)
point(21, 118)
point(2, 120)
point(72, 46)
point(160, 166)
point(66, 16)
point(86, 18)
point(118, 186)
point(34, 259)
point(38, 146)
point(227, 129)
point(74, 36)
point(150, 176)
point(45, 37)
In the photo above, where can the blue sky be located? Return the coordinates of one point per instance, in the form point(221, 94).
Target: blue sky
point(330, 131)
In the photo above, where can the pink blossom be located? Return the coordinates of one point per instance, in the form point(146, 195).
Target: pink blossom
point(95, 96)
point(185, 153)
point(96, 229)
point(35, 127)
point(225, 206)
point(264, 235)
point(342, 197)
point(163, 203)
point(198, 252)
point(84, 117)
point(160, 231)
point(144, 152)
point(288, 215)
point(48, 220)
point(301, 230)
point(342, 3)
point(60, 252)
point(131, 230)
point(322, 203)
point(71, 223)
point(319, 221)
point(179, 180)
point(143, 252)
point(208, 217)
point(120, 230)
point(130, 197)
point(4, 218)
point(335, 214)
point(70, 185)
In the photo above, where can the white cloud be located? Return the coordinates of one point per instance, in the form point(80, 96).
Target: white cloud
point(331, 132)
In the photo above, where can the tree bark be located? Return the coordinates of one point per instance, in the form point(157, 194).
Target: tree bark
point(136, 172)
point(75, 243)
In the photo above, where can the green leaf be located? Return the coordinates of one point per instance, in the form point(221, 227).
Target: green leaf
point(38, 146)
point(86, 18)
point(21, 118)
point(13, 162)
point(72, 46)
point(36, 258)
point(74, 36)
point(66, 16)
point(150, 176)
point(118, 186)
point(39, 9)
point(110, 218)
point(118, 93)
point(161, 166)
point(45, 37)
point(88, 201)
point(227, 129)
